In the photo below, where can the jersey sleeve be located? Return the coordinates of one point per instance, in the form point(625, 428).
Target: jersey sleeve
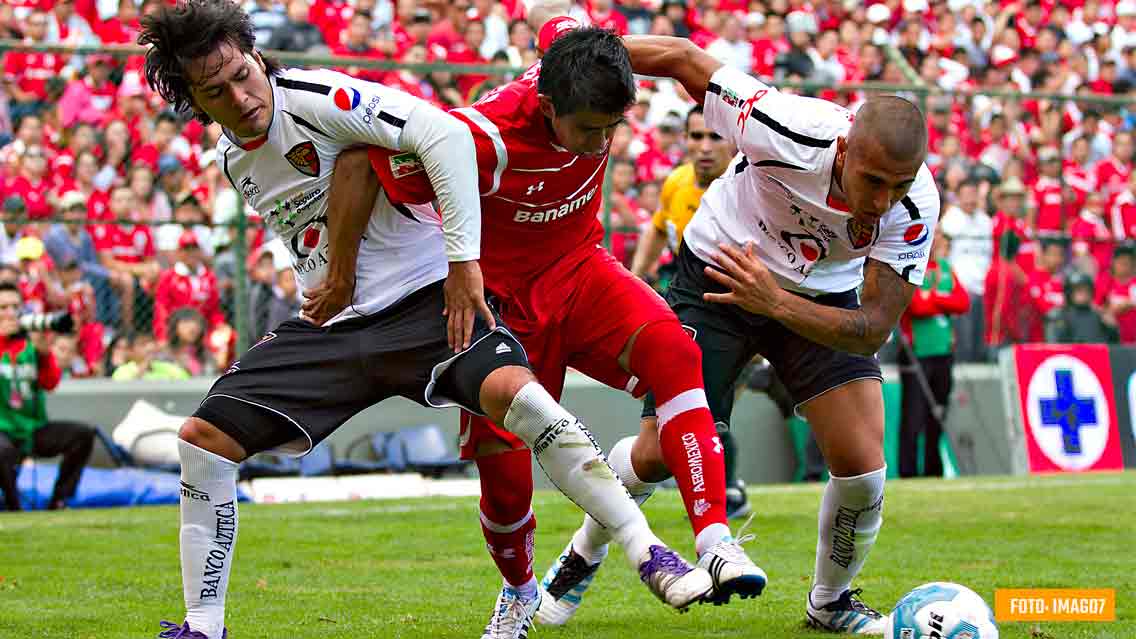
point(762, 122)
point(908, 230)
point(359, 112)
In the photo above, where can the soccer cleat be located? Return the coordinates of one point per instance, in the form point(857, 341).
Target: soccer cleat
point(563, 587)
point(672, 579)
point(512, 616)
point(733, 572)
point(737, 505)
point(847, 615)
point(171, 630)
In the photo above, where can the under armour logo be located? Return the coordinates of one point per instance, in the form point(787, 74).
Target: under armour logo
point(539, 186)
point(717, 443)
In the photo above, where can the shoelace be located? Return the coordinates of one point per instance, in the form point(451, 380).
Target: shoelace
point(573, 570)
point(851, 600)
point(663, 560)
point(170, 630)
point(734, 549)
point(508, 602)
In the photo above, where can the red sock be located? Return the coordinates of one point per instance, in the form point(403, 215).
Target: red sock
point(670, 364)
point(507, 519)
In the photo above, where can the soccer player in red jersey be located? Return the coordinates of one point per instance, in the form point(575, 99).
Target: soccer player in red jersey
point(542, 148)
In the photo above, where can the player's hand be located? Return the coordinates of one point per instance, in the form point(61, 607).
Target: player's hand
point(326, 300)
point(465, 299)
point(751, 285)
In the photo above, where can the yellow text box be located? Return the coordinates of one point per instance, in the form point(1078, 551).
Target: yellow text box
point(1055, 604)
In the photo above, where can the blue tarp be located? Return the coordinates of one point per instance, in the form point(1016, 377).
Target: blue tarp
point(103, 487)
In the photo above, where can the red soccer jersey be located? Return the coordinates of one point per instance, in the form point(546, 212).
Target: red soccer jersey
point(1091, 237)
point(130, 244)
point(179, 287)
point(31, 70)
point(1047, 199)
point(1114, 292)
point(539, 201)
point(1047, 292)
point(34, 195)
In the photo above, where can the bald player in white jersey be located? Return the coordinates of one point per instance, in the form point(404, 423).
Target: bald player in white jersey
point(806, 251)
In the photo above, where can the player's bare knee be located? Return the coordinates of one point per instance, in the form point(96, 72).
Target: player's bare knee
point(208, 437)
point(499, 389)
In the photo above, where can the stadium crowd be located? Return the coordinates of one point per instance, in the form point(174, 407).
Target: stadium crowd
point(116, 209)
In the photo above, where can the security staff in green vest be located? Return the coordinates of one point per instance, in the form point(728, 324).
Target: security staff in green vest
point(929, 337)
point(27, 371)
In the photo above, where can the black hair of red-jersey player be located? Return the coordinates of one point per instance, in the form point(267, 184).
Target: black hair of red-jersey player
point(587, 69)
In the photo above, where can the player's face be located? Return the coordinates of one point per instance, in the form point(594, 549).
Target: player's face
point(232, 88)
point(710, 152)
point(872, 180)
point(582, 132)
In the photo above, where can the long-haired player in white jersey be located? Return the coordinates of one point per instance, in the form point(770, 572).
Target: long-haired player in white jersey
point(415, 323)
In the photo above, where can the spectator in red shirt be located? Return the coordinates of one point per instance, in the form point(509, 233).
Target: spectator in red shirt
point(26, 73)
point(1123, 216)
point(1010, 220)
point(358, 43)
point(189, 283)
point(127, 251)
point(664, 152)
point(32, 184)
point(1047, 284)
point(1092, 240)
point(467, 52)
point(1116, 293)
point(1113, 171)
point(1050, 214)
point(603, 15)
point(1010, 315)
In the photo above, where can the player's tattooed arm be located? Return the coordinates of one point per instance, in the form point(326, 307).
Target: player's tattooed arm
point(863, 330)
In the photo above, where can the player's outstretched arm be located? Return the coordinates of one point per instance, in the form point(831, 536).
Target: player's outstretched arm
point(354, 188)
point(648, 250)
point(863, 330)
point(677, 58)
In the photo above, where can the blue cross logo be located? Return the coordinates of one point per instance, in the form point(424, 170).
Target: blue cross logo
point(1068, 412)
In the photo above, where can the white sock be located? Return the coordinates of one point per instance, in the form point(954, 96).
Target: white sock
point(711, 536)
point(574, 463)
point(208, 535)
point(591, 539)
point(851, 513)
point(526, 591)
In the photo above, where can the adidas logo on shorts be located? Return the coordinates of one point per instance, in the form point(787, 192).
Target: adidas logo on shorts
point(503, 348)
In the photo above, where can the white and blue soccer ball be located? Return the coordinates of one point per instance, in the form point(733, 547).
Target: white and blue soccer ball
point(941, 610)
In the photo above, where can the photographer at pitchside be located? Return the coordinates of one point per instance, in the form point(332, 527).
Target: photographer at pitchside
point(27, 371)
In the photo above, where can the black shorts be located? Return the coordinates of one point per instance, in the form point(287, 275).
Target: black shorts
point(300, 382)
point(730, 337)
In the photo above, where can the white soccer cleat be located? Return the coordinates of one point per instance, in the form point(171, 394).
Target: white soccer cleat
point(564, 585)
point(512, 616)
point(733, 572)
point(672, 579)
point(847, 615)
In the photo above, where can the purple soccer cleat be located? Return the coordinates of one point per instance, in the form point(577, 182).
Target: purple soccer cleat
point(672, 579)
point(171, 630)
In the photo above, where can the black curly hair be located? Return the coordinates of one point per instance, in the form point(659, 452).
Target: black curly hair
point(587, 69)
point(189, 30)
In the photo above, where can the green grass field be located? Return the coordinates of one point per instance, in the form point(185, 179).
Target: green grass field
point(418, 568)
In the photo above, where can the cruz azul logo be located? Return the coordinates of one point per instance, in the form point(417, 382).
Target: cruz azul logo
point(303, 158)
point(347, 98)
point(1068, 413)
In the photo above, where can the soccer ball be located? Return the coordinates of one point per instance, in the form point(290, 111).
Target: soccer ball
point(941, 610)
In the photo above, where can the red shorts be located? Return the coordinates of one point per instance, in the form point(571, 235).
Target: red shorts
point(598, 305)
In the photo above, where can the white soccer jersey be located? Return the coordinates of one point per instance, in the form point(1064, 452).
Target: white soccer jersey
point(286, 179)
point(775, 194)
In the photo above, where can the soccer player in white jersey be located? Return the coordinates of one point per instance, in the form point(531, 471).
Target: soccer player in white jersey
point(817, 203)
point(401, 331)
